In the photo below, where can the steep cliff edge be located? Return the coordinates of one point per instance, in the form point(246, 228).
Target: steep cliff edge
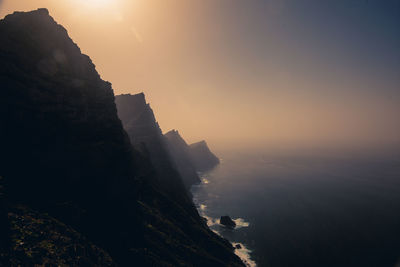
point(144, 132)
point(179, 150)
point(202, 156)
point(64, 152)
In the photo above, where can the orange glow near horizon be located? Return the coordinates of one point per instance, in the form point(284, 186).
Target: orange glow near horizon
point(234, 72)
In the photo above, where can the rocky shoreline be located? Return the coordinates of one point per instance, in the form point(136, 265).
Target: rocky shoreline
point(241, 250)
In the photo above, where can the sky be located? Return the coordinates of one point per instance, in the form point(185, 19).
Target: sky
point(260, 73)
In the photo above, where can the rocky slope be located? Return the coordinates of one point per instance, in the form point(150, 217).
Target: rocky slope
point(202, 156)
point(4, 224)
point(179, 150)
point(65, 153)
point(38, 239)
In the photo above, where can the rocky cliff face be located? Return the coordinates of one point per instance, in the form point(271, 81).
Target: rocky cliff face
point(202, 157)
point(190, 158)
point(64, 152)
point(140, 123)
point(179, 150)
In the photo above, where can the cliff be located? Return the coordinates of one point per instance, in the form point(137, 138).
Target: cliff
point(144, 132)
point(179, 150)
point(190, 159)
point(202, 157)
point(65, 153)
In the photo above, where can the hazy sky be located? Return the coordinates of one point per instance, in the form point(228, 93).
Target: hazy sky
point(300, 72)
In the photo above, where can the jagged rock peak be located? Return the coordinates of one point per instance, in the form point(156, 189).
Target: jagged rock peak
point(173, 132)
point(175, 136)
point(132, 103)
point(200, 143)
point(49, 58)
point(134, 111)
point(43, 10)
point(138, 96)
point(40, 11)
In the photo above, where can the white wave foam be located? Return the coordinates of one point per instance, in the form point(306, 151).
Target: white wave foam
point(240, 223)
point(211, 221)
point(244, 254)
point(205, 181)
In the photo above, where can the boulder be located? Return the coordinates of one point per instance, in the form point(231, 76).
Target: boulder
point(227, 221)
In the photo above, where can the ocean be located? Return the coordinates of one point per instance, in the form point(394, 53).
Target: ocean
point(296, 209)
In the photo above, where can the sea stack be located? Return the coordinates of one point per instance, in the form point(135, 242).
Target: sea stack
point(227, 221)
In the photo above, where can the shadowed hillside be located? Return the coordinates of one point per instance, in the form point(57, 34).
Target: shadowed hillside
point(65, 153)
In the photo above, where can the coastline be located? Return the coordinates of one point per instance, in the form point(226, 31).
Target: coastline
point(241, 249)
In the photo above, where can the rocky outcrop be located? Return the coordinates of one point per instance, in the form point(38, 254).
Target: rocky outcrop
point(202, 157)
point(227, 221)
point(65, 153)
point(140, 123)
point(179, 150)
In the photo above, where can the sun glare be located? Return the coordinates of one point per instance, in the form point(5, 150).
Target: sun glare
point(98, 3)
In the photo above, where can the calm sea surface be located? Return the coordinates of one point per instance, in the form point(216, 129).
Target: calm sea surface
point(306, 210)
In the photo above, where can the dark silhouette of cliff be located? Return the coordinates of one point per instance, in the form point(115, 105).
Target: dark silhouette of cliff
point(140, 123)
point(65, 153)
point(202, 157)
point(179, 150)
